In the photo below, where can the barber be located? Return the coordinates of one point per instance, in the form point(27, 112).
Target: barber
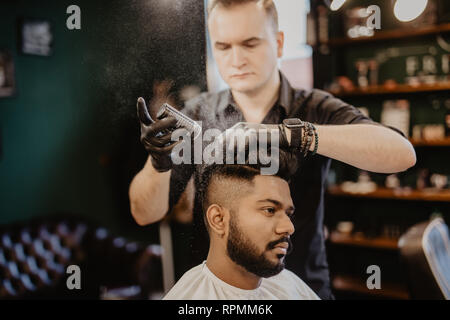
point(246, 44)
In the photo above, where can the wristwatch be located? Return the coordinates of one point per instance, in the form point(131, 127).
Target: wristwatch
point(296, 126)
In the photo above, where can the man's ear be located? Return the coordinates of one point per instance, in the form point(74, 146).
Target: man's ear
point(280, 43)
point(217, 218)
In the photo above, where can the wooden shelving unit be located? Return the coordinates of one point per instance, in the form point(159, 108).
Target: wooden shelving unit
point(340, 60)
point(392, 35)
point(384, 193)
point(398, 89)
point(354, 284)
point(430, 143)
point(361, 241)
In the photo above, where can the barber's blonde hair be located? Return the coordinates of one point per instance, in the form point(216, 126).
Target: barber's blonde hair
point(268, 5)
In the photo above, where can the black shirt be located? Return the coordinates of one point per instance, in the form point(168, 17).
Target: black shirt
point(308, 258)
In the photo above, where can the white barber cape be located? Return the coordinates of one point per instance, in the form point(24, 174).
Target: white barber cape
point(200, 283)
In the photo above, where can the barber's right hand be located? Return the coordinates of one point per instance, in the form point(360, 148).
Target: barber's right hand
point(156, 137)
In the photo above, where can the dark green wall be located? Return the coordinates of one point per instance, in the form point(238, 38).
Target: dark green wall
point(69, 136)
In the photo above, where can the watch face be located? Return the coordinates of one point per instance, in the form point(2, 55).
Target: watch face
point(292, 122)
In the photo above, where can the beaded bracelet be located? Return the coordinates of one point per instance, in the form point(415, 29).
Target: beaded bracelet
point(316, 140)
point(304, 139)
point(309, 135)
point(309, 130)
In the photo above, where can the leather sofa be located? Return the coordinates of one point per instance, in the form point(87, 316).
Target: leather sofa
point(34, 260)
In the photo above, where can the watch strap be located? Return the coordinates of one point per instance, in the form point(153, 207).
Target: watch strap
point(296, 127)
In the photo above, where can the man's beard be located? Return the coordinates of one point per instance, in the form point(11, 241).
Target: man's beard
point(244, 252)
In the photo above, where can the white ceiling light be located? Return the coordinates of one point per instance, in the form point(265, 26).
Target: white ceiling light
point(336, 4)
point(408, 10)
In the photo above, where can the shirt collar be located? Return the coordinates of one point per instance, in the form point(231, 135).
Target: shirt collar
point(286, 94)
point(284, 99)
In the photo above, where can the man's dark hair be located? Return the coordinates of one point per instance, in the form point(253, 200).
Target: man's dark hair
point(268, 5)
point(240, 176)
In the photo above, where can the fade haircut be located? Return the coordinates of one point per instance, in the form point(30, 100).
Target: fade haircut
point(225, 184)
point(268, 5)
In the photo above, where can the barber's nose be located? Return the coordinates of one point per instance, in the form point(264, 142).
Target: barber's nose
point(238, 58)
point(285, 225)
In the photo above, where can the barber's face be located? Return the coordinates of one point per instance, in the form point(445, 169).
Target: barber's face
point(245, 45)
point(260, 230)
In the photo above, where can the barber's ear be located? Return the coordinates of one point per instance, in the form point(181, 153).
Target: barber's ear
point(217, 218)
point(280, 43)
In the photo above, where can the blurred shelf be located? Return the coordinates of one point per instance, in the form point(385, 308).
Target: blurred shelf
point(430, 143)
point(361, 241)
point(399, 88)
point(354, 284)
point(392, 35)
point(384, 193)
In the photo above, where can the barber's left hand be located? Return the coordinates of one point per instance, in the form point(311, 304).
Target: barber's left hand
point(269, 134)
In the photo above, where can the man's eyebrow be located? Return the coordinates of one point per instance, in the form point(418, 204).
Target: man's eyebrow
point(277, 203)
point(245, 41)
point(251, 39)
point(221, 43)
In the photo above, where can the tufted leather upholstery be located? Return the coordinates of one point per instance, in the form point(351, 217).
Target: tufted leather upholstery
point(34, 258)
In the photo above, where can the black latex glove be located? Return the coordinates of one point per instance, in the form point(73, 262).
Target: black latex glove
point(156, 137)
point(289, 163)
point(256, 128)
point(289, 158)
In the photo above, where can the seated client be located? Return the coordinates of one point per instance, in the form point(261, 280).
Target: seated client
point(248, 218)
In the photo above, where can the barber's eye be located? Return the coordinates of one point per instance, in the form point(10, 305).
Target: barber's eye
point(222, 48)
point(251, 45)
